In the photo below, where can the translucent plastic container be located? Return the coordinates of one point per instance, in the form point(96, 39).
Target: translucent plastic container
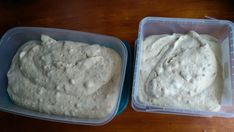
point(15, 37)
point(221, 29)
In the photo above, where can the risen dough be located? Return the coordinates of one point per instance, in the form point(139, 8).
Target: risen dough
point(181, 71)
point(65, 78)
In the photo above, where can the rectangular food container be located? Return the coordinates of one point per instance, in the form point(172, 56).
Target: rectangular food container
point(15, 37)
point(223, 30)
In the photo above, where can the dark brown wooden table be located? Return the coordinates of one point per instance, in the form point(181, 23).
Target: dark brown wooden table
point(119, 18)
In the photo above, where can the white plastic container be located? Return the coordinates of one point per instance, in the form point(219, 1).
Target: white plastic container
point(223, 30)
point(15, 37)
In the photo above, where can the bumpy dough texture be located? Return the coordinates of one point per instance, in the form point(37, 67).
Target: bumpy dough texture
point(65, 78)
point(181, 71)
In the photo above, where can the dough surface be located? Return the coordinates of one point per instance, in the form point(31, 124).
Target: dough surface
point(181, 71)
point(65, 78)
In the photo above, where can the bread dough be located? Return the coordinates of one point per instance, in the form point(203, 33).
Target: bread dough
point(65, 78)
point(181, 71)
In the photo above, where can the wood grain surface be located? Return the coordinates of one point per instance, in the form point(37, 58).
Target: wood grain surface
point(119, 18)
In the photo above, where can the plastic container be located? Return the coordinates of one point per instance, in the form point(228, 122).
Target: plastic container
point(221, 29)
point(127, 81)
point(15, 37)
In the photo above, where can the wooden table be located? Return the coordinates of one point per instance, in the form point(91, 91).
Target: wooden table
point(119, 18)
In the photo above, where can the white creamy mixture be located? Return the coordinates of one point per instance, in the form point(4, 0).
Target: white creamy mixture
point(181, 71)
point(65, 78)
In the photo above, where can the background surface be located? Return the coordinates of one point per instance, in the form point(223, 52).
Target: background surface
point(118, 18)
